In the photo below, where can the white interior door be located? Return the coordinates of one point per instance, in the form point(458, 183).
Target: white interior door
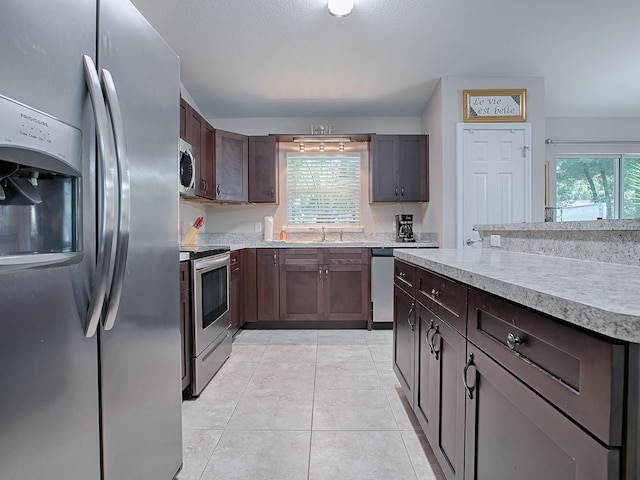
point(494, 165)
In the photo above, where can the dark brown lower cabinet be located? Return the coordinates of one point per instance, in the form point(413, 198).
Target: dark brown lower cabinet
point(325, 285)
point(404, 321)
point(235, 292)
point(185, 324)
point(439, 403)
point(267, 284)
point(513, 433)
point(249, 286)
point(520, 396)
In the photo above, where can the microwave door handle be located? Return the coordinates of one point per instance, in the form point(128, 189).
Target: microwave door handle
point(114, 295)
point(106, 172)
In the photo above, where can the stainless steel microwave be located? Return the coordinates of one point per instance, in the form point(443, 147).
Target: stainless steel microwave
point(187, 169)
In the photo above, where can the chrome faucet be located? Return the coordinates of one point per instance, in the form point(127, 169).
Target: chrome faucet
point(323, 233)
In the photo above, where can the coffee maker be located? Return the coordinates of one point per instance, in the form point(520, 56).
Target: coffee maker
point(404, 228)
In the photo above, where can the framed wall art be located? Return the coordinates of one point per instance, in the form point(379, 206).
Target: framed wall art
point(495, 105)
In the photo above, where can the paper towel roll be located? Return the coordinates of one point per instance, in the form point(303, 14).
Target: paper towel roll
point(268, 229)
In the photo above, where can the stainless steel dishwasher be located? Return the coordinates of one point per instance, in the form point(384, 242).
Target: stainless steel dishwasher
point(382, 286)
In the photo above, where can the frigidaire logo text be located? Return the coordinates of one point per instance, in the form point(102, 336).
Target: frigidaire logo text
point(34, 120)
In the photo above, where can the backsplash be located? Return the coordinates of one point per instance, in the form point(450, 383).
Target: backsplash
point(612, 241)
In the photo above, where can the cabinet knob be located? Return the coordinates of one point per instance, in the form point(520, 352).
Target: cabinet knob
point(435, 293)
point(396, 189)
point(402, 274)
point(218, 189)
point(275, 258)
point(402, 190)
point(272, 192)
point(513, 341)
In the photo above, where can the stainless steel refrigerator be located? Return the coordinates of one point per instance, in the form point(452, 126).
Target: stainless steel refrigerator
point(89, 320)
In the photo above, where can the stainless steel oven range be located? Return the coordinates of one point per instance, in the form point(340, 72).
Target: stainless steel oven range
point(211, 337)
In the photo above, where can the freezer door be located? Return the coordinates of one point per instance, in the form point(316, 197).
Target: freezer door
point(49, 422)
point(140, 379)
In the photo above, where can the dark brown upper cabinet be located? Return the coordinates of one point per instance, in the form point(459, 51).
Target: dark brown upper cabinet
point(195, 130)
point(263, 170)
point(232, 163)
point(399, 168)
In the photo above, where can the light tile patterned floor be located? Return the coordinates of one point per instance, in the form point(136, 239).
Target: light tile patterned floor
point(305, 405)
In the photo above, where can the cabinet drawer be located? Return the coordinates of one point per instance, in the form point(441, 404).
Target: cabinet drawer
point(404, 275)
point(346, 256)
point(581, 374)
point(444, 297)
point(184, 275)
point(301, 256)
point(235, 260)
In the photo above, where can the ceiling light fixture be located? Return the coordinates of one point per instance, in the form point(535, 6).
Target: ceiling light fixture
point(321, 139)
point(340, 8)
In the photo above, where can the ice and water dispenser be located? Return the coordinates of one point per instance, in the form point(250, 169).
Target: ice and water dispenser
point(40, 172)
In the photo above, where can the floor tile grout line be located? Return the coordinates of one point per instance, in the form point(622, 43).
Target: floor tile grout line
point(313, 404)
point(224, 427)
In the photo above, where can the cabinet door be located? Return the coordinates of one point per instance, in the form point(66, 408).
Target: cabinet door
point(383, 182)
point(411, 168)
point(249, 282)
point(206, 162)
point(184, 119)
point(232, 162)
point(263, 170)
point(426, 403)
point(346, 292)
point(185, 336)
point(267, 284)
point(511, 432)
point(195, 134)
point(235, 292)
point(301, 291)
point(404, 317)
point(447, 387)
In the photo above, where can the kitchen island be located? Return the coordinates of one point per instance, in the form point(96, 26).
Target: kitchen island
point(520, 365)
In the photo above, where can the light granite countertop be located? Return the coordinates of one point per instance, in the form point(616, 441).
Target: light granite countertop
point(346, 244)
point(601, 297)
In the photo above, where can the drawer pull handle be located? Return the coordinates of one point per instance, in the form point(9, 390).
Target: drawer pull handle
point(413, 306)
point(513, 341)
point(464, 376)
point(435, 293)
point(402, 274)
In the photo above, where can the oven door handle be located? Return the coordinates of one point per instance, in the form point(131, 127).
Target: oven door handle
point(207, 264)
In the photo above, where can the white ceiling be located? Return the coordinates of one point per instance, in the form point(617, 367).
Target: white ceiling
point(290, 58)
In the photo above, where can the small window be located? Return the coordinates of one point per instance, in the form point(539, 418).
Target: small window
point(323, 189)
point(597, 186)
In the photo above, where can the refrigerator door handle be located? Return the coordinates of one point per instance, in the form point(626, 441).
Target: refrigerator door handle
point(123, 202)
point(107, 173)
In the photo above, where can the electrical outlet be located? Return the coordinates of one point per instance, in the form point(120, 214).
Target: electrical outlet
point(495, 241)
point(257, 227)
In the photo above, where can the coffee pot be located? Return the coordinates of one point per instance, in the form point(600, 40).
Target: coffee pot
point(404, 228)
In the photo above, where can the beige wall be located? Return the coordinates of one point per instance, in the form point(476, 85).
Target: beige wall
point(444, 111)
point(439, 120)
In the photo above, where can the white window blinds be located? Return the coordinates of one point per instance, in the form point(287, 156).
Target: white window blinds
point(323, 189)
